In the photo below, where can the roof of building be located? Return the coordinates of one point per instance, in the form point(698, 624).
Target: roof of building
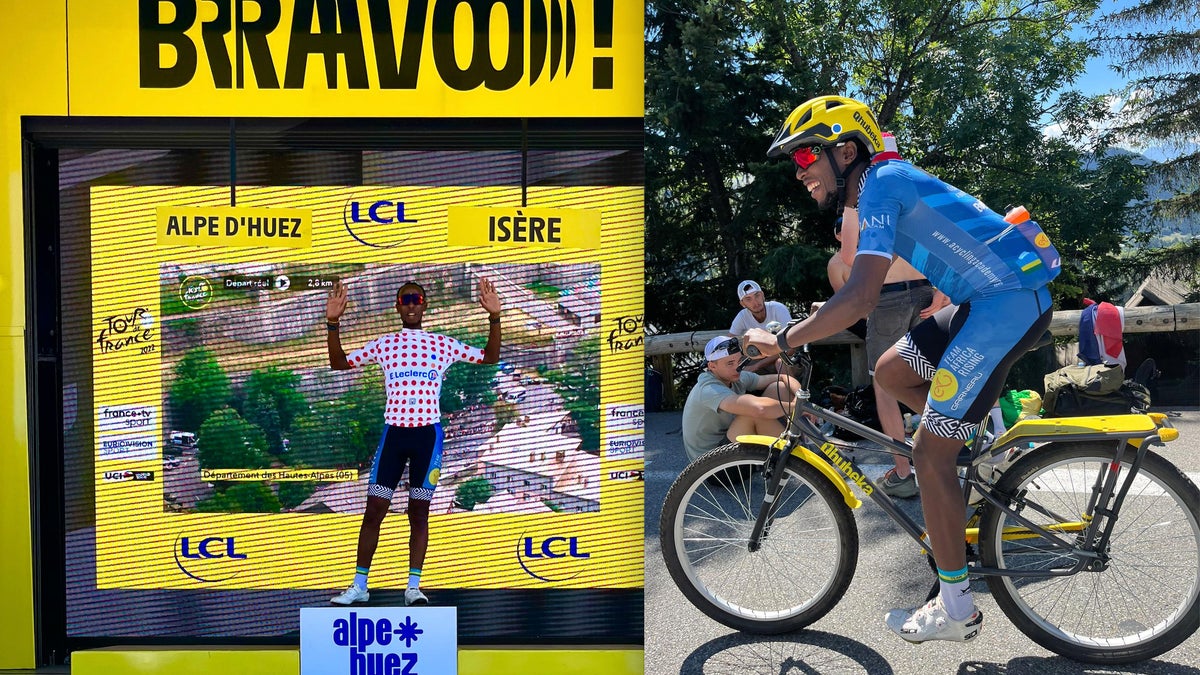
point(506, 502)
point(1157, 289)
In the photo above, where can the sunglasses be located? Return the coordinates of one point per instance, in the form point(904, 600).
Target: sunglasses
point(804, 156)
point(732, 345)
point(412, 299)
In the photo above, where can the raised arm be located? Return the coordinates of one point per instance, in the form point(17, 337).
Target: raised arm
point(334, 307)
point(489, 299)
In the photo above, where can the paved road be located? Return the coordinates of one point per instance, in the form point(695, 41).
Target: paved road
point(852, 638)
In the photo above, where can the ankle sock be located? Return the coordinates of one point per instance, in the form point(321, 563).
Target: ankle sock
point(360, 576)
point(414, 577)
point(956, 593)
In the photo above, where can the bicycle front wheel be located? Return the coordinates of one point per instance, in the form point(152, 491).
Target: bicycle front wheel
point(1139, 599)
point(807, 556)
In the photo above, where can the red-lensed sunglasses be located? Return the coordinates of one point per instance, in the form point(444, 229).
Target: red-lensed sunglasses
point(412, 299)
point(804, 156)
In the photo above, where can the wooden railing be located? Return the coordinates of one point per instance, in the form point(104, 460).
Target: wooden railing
point(1150, 319)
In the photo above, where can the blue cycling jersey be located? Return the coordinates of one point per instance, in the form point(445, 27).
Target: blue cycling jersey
point(964, 248)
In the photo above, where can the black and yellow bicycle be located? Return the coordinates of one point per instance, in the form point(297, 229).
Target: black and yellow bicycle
point(1089, 542)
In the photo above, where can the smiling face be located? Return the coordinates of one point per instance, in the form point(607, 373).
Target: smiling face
point(819, 178)
point(411, 304)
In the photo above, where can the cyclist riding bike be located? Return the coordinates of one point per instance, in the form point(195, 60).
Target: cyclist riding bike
point(952, 366)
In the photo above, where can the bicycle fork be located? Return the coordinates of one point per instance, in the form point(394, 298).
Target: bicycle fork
point(776, 478)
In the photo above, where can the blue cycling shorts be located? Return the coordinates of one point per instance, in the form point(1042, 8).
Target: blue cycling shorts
point(420, 448)
point(966, 351)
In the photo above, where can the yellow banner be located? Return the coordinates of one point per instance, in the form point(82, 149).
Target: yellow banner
point(558, 228)
point(356, 58)
point(319, 475)
point(233, 226)
point(208, 356)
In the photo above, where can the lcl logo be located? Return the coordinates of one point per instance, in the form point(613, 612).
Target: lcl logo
point(369, 215)
point(207, 549)
point(551, 558)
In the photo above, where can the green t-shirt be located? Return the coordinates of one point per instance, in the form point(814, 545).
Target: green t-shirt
point(704, 423)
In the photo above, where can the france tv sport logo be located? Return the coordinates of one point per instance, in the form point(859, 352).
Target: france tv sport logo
point(553, 558)
point(210, 559)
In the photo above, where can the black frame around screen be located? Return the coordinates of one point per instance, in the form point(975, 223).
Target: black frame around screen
point(618, 612)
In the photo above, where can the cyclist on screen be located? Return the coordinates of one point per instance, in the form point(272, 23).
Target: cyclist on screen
point(953, 364)
point(413, 363)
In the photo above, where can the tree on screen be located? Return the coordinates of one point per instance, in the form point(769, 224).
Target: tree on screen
point(472, 492)
point(270, 400)
point(241, 498)
point(226, 441)
point(200, 387)
point(578, 383)
point(325, 437)
point(363, 407)
point(293, 493)
point(467, 384)
point(253, 498)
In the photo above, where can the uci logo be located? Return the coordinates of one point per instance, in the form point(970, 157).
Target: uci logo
point(552, 558)
point(208, 558)
point(363, 220)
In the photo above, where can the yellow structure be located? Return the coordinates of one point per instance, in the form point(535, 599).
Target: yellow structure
point(97, 58)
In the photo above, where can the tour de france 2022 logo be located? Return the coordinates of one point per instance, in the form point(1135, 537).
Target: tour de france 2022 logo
point(628, 333)
point(127, 331)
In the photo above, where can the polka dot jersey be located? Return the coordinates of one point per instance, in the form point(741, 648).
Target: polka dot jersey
point(413, 363)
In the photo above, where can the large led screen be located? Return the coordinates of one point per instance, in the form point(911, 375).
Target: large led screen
point(229, 462)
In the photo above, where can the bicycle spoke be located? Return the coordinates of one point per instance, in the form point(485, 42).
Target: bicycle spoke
point(1137, 595)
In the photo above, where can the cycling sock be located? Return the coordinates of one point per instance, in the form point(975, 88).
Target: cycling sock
point(414, 577)
point(956, 593)
point(360, 576)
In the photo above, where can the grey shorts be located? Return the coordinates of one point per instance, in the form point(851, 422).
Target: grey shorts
point(897, 312)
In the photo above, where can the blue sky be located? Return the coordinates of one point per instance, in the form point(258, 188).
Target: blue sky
point(1100, 78)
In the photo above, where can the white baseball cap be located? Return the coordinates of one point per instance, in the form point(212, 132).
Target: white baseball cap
point(718, 348)
point(747, 287)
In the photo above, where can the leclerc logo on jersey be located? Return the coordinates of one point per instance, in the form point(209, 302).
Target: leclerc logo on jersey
point(210, 559)
point(551, 558)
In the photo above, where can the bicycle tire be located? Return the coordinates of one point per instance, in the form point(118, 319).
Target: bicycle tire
point(1099, 617)
point(795, 578)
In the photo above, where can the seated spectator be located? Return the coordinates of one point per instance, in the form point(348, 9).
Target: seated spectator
point(723, 405)
point(758, 312)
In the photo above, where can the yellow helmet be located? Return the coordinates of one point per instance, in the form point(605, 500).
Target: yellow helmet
point(827, 120)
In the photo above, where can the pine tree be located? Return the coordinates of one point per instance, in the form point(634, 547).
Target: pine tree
point(1157, 44)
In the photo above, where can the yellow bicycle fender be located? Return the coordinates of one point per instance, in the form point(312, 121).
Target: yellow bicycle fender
point(808, 456)
point(1048, 429)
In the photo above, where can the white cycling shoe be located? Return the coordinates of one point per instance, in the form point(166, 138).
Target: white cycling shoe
point(931, 622)
point(351, 595)
point(414, 596)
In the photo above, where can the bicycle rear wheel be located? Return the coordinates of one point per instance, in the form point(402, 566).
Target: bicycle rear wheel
point(807, 557)
point(1137, 604)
